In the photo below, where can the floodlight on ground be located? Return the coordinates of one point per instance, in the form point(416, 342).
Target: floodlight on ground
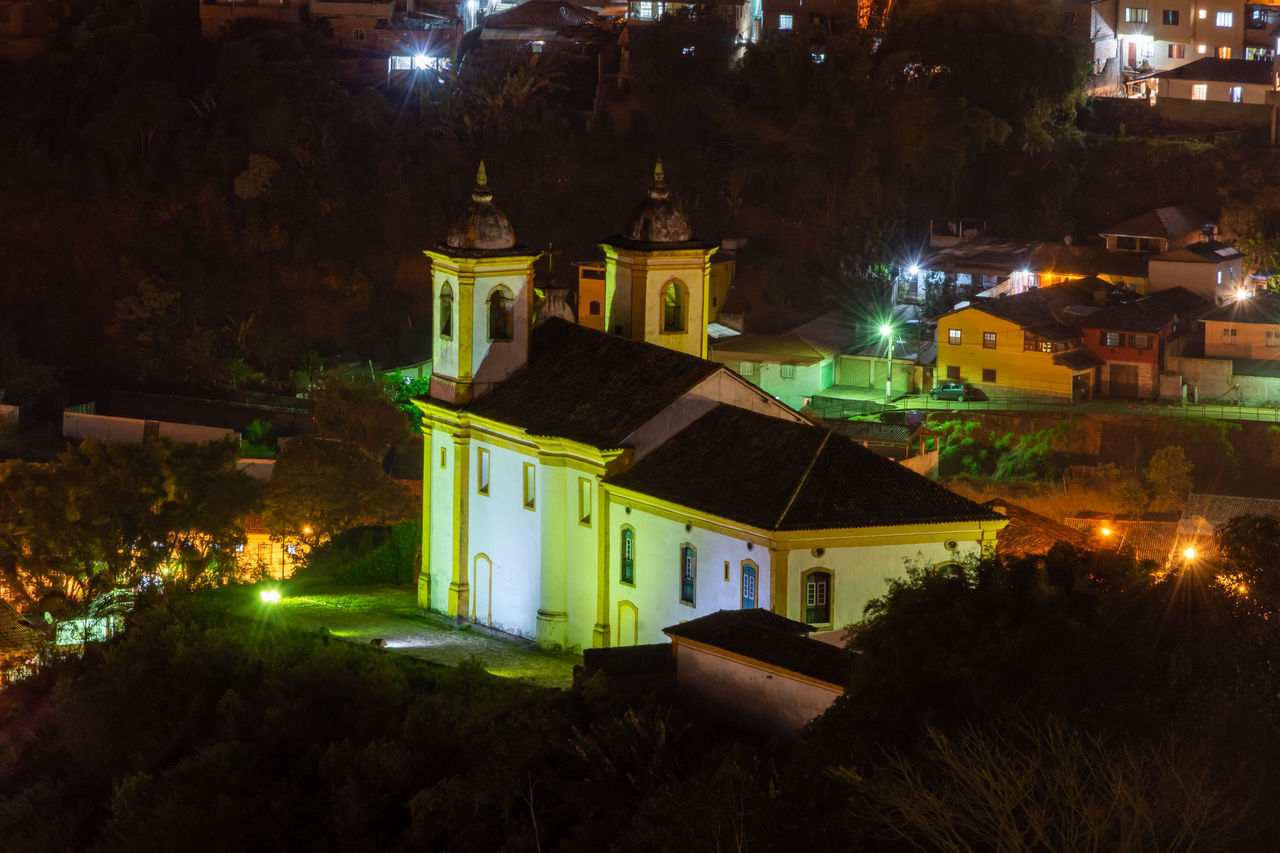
point(269, 596)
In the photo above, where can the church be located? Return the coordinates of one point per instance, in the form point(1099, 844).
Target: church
point(586, 489)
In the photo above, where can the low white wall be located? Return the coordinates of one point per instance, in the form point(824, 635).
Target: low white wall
point(132, 430)
point(762, 699)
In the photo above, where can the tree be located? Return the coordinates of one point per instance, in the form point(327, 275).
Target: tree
point(1133, 499)
point(321, 487)
point(360, 411)
point(1247, 561)
point(1169, 473)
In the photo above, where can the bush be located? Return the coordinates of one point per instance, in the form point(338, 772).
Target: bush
point(368, 555)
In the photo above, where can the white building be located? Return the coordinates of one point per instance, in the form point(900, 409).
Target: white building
point(587, 490)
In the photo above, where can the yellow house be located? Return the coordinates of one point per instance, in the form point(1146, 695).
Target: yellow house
point(1026, 343)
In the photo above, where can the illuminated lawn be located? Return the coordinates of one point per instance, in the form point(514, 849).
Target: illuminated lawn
point(362, 614)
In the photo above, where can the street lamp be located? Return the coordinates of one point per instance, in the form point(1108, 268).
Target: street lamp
point(886, 332)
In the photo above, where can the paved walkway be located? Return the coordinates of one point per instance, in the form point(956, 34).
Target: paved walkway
point(361, 614)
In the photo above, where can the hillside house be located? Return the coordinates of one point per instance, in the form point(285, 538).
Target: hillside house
point(1132, 339)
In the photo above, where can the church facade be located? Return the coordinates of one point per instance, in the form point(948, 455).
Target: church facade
point(588, 489)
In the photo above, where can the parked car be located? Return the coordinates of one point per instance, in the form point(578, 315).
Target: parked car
point(958, 391)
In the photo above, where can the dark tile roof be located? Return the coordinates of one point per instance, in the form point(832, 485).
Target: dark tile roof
point(541, 14)
point(1214, 70)
point(1262, 308)
point(816, 481)
point(590, 387)
point(872, 431)
point(1146, 540)
point(1029, 533)
point(1204, 252)
point(15, 634)
point(1153, 313)
point(769, 638)
point(1077, 359)
point(1163, 222)
point(1042, 311)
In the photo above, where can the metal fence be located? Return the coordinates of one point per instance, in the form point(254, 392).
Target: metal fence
point(1206, 411)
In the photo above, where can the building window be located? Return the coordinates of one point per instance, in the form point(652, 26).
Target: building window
point(1224, 53)
point(747, 368)
point(482, 471)
point(988, 340)
point(988, 374)
point(628, 571)
point(1202, 14)
point(1030, 343)
point(1229, 336)
point(788, 371)
point(1177, 51)
point(673, 307)
point(953, 337)
point(442, 458)
point(645, 12)
point(688, 573)
point(1112, 339)
point(530, 485)
point(817, 598)
point(1135, 15)
point(1225, 19)
point(953, 371)
point(1170, 18)
point(1273, 338)
point(1219, 276)
point(748, 585)
point(446, 312)
point(1140, 341)
point(1200, 48)
point(594, 309)
point(784, 22)
point(500, 302)
point(1235, 94)
point(1199, 91)
point(726, 571)
point(584, 500)
point(357, 34)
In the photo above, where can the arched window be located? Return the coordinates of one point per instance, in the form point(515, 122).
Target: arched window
point(748, 585)
point(594, 308)
point(500, 314)
point(674, 305)
point(688, 573)
point(817, 598)
point(628, 573)
point(446, 312)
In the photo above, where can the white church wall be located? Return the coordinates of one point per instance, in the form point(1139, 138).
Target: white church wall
point(444, 351)
point(440, 520)
point(506, 537)
point(492, 361)
point(655, 595)
point(862, 573)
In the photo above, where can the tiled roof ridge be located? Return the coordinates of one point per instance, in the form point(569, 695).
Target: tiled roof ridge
point(801, 481)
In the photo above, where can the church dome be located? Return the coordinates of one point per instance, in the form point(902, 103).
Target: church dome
point(481, 225)
point(658, 219)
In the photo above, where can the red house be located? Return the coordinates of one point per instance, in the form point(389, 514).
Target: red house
point(1131, 338)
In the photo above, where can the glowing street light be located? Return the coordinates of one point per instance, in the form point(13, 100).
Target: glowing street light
point(1189, 553)
point(886, 332)
point(1106, 531)
point(269, 596)
point(1243, 293)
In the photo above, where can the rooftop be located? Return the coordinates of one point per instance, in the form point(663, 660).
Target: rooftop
point(588, 386)
point(769, 638)
point(1152, 314)
point(1214, 70)
point(1043, 311)
point(1029, 533)
point(1204, 252)
point(1262, 308)
point(1163, 222)
point(816, 481)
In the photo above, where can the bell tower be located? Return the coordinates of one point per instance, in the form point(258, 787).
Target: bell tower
point(657, 276)
point(482, 297)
